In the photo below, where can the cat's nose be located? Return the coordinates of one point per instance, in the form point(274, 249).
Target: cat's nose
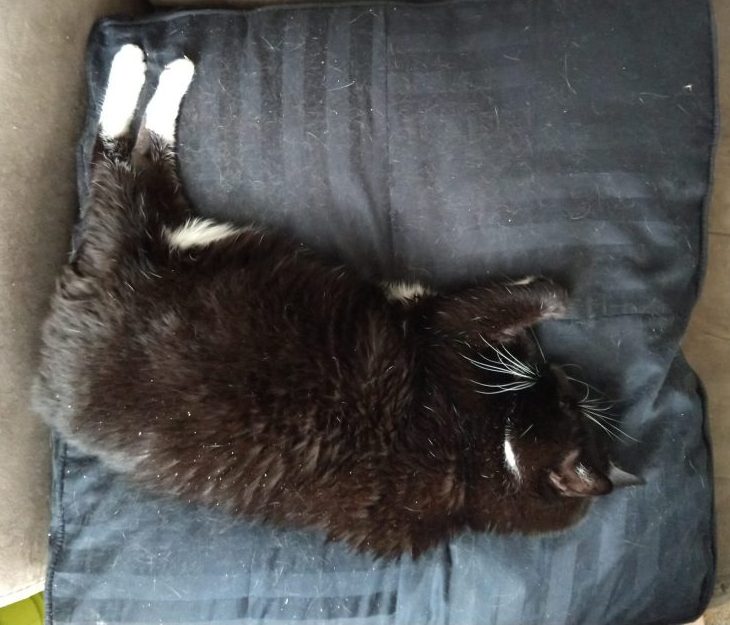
point(557, 371)
point(560, 377)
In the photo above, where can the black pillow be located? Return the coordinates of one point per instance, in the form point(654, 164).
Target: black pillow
point(447, 142)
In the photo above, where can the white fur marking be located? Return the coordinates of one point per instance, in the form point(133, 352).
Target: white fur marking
point(126, 79)
point(200, 232)
point(405, 291)
point(164, 106)
point(524, 281)
point(510, 458)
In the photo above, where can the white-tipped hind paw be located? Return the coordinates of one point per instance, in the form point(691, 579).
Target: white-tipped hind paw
point(181, 71)
point(126, 79)
point(163, 108)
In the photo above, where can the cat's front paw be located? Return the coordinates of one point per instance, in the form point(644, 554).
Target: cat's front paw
point(553, 298)
point(550, 298)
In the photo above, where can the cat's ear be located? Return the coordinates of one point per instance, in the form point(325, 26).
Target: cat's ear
point(620, 478)
point(573, 478)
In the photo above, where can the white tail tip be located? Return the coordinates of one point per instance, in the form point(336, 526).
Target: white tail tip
point(126, 79)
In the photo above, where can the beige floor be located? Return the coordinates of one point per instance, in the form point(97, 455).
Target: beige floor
point(42, 106)
point(718, 616)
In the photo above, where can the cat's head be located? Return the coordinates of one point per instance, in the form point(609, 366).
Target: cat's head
point(544, 440)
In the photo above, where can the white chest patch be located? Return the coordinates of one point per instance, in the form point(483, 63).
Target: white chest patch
point(510, 459)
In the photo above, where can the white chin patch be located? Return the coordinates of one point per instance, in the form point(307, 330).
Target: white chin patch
point(163, 108)
point(201, 232)
point(510, 459)
point(405, 291)
point(126, 79)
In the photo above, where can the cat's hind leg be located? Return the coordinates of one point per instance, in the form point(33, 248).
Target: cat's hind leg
point(126, 79)
point(156, 144)
point(164, 107)
point(111, 220)
point(154, 154)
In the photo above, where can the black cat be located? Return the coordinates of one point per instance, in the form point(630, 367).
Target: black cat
point(232, 366)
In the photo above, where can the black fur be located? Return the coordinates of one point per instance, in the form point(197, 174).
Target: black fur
point(252, 375)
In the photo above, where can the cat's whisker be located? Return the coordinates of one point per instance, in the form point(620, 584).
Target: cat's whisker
point(537, 342)
point(602, 413)
point(585, 385)
point(529, 427)
point(606, 418)
point(496, 369)
point(598, 410)
point(504, 354)
point(494, 363)
point(506, 389)
point(601, 417)
point(506, 358)
point(601, 400)
point(603, 404)
point(608, 423)
point(518, 363)
point(489, 367)
point(616, 429)
point(624, 433)
point(601, 409)
point(512, 372)
point(507, 384)
point(600, 425)
point(487, 363)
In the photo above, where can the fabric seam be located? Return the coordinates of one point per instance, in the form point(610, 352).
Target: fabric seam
point(59, 534)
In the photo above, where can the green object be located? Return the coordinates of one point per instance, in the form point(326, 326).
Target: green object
point(27, 612)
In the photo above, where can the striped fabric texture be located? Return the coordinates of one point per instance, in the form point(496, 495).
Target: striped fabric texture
point(446, 142)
